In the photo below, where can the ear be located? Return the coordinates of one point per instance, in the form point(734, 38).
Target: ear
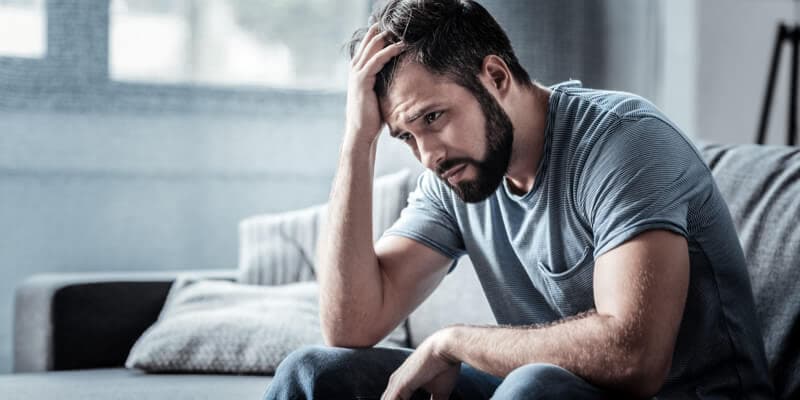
point(496, 75)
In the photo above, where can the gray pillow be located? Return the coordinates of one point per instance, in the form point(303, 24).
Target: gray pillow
point(212, 326)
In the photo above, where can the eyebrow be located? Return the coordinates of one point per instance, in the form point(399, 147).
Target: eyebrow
point(422, 111)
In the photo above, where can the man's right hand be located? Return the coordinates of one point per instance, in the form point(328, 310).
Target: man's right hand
point(364, 120)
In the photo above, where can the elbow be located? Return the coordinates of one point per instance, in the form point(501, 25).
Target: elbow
point(643, 358)
point(334, 339)
point(645, 374)
point(343, 335)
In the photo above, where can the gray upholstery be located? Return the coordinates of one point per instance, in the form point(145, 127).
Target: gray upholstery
point(123, 384)
point(760, 183)
point(458, 299)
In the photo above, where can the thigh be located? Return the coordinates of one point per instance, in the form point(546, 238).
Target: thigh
point(474, 384)
point(547, 381)
point(325, 372)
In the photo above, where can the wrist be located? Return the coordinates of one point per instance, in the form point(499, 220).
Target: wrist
point(355, 142)
point(361, 136)
point(446, 342)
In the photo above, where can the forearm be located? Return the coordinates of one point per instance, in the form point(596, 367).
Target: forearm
point(351, 280)
point(591, 345)
point(349, 277)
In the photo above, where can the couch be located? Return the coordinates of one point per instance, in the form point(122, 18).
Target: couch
point(73, 332)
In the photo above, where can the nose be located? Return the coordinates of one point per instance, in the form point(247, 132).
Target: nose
point(431, 151)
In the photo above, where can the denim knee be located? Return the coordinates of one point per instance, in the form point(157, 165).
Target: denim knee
point(334, 372)
point(545, 381)
point(309, 364)
point(298, 375)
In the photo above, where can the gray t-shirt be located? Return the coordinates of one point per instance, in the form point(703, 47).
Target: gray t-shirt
point(613, 167)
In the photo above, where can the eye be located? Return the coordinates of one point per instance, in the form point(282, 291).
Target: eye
point(432, 117)
point(404, 136)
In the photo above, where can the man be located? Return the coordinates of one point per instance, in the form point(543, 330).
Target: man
point(605, 250)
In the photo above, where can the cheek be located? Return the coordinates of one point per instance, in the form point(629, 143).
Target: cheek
point(416, 155)
point(470, 143)
point(415, 151)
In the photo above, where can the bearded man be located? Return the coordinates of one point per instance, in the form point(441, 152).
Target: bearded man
point(604, 248)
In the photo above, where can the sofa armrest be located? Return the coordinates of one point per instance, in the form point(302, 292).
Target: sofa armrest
point(87, 320)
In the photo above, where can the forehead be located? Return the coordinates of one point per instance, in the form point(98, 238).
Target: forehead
point(414, 86)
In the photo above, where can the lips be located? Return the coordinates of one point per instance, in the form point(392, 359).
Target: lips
point(453, 171)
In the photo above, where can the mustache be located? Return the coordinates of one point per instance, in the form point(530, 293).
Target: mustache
point(447, 164)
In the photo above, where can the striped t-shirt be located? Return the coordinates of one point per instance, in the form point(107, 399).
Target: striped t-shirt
point(613, 167)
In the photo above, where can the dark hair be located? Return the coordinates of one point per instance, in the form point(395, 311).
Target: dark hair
point(448, 37)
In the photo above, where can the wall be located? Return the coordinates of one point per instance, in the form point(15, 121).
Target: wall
point(676, 73)
point(735, 41)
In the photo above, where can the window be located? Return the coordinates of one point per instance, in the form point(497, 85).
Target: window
point(22, 28)
point(229, 56)
point(279, 43)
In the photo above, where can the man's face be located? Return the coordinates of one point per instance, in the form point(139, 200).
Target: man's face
point(465, 138)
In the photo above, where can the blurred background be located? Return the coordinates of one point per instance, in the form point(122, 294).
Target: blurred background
point(135, 134)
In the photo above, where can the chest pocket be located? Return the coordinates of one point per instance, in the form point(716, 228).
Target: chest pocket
point(570, 292)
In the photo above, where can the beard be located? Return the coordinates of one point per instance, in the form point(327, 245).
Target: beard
point(492, 169)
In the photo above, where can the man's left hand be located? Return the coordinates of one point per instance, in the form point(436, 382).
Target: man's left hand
point(429, 368)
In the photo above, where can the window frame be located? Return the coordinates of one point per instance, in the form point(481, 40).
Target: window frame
point(74, 76)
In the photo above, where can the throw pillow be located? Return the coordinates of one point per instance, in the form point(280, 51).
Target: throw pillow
point(210, 326)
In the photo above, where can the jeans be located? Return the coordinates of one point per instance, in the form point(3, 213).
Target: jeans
point(321, 372)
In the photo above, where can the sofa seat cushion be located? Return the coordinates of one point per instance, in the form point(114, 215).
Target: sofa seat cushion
point(124, 384)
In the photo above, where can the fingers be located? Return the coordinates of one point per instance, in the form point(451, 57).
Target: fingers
point(442, 385)
point(374, 65)
point(402, 394)
point(393, 388)
point(375, 44)
point(371, 32)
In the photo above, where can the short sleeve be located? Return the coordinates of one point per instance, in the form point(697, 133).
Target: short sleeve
point(427, 220)
point(641, 175)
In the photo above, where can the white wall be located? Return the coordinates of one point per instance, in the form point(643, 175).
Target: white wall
point(734, 46)
point(676, 71)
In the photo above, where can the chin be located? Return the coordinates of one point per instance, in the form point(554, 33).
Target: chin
point(476, 190)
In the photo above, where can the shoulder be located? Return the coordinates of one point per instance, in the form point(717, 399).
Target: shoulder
point(643, 134)
point(603, 128)
point(606, 121)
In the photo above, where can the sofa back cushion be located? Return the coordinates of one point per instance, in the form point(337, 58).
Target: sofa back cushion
point(458, 299)
point(281, 248)
point(761, 185)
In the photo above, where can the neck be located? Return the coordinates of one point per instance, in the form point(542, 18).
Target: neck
point(528, 113)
